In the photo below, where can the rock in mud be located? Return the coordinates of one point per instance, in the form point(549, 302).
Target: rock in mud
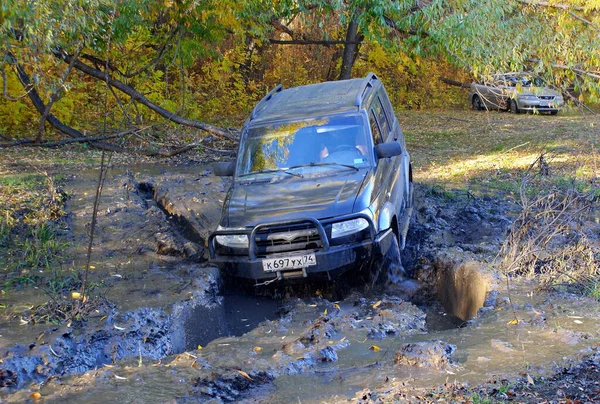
point(327, 354)
point(230, 387)
point(434, 354)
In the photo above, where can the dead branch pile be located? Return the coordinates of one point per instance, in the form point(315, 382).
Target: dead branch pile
point(555, 237)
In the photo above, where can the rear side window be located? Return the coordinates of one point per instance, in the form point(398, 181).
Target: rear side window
point(384, 125)
point(375, 132)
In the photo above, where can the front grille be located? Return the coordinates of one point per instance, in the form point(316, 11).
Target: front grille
point(546, 97)
point(278, 239)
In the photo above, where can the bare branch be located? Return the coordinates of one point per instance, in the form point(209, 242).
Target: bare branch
point(55, 95)
point(454, 83)
point(84, 139)
point(275, 22)
point(311, 42)
point(588, 22)
point(551, 5)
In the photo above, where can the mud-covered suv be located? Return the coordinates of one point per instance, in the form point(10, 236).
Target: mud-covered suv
point(322, 184)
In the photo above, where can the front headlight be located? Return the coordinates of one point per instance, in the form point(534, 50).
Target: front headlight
point(527, 97)
point(232, 240)
point(342, 229)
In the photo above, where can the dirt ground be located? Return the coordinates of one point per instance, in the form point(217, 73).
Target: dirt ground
point(448, 327)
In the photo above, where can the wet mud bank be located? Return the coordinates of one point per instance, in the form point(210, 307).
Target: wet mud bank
point(148, 277)
point(238, 345)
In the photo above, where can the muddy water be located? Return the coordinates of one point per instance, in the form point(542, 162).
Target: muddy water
point(552, 329)
point(295, 350)
point(235, 316)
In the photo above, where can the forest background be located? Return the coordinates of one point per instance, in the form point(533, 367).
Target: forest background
point(134, 70)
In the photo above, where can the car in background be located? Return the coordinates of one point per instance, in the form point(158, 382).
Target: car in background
point(322, 185)
point(515, 92)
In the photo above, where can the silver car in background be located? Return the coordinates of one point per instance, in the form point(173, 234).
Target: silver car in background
point(515, 92)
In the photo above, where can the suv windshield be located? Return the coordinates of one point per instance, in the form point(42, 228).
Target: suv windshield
point(334, 142)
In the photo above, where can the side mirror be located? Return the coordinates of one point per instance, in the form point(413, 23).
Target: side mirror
point(385, 150)
point(224, 169)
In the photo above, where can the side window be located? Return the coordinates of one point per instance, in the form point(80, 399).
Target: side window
point(381, 118)
point(377, 139)
point(387, 107)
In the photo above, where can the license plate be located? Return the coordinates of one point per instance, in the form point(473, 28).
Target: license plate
point(285, 263)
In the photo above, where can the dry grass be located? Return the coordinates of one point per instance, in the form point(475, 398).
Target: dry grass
point(493, 149)
point(551, 167)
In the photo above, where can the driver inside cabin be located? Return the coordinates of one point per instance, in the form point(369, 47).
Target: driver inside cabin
point(344, 140)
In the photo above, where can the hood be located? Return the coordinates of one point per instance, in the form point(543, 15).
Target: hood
point(248, 204)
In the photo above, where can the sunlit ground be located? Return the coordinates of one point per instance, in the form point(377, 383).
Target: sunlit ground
point(495, 149)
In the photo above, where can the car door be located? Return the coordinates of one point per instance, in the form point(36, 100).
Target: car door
point(389, 172)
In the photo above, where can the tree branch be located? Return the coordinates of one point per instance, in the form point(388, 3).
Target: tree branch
point(311, 42)
point(84, 139)
point(573, 69)
point(454, 83)
point(134, 94)
point(277, 24)
point(55, 95)
point(551, 5)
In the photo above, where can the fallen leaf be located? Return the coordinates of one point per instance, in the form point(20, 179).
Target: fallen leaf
point(244, 374)
point(35, 395)
point(513, 322)
point(530, 379)
point(92, 267)
point(52, 351)
point(330, 342)
point(578, 321)
point(120, 378)
point(325, 312)
point(375, 348)
point(119, 328)
point(76, 295)
point(337, 306)
point(376, 305)
point(343, 339)
point(199, 347)
point(103, 318)
point(257, 349)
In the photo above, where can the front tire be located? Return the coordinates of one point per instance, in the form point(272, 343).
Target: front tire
point(389, 267)
point(513, 107)
point(553, 112)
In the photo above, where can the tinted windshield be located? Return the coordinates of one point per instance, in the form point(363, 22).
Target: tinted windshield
point(337, 139)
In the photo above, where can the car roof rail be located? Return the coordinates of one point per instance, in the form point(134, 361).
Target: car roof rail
point(265, 99)
point(366, 84)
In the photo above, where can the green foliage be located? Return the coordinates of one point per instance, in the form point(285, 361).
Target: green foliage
point(212, 61)
point(29, 209)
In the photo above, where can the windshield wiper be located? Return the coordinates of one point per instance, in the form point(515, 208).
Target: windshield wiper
point(277, 170)
point(326, 164)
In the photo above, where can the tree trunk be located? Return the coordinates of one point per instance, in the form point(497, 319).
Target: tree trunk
point(350, 49)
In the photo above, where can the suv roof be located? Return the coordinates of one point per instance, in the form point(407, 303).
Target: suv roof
point(313, 100)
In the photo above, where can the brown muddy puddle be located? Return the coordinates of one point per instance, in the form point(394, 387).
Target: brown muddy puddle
point(308, 350)
point(551, 330)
